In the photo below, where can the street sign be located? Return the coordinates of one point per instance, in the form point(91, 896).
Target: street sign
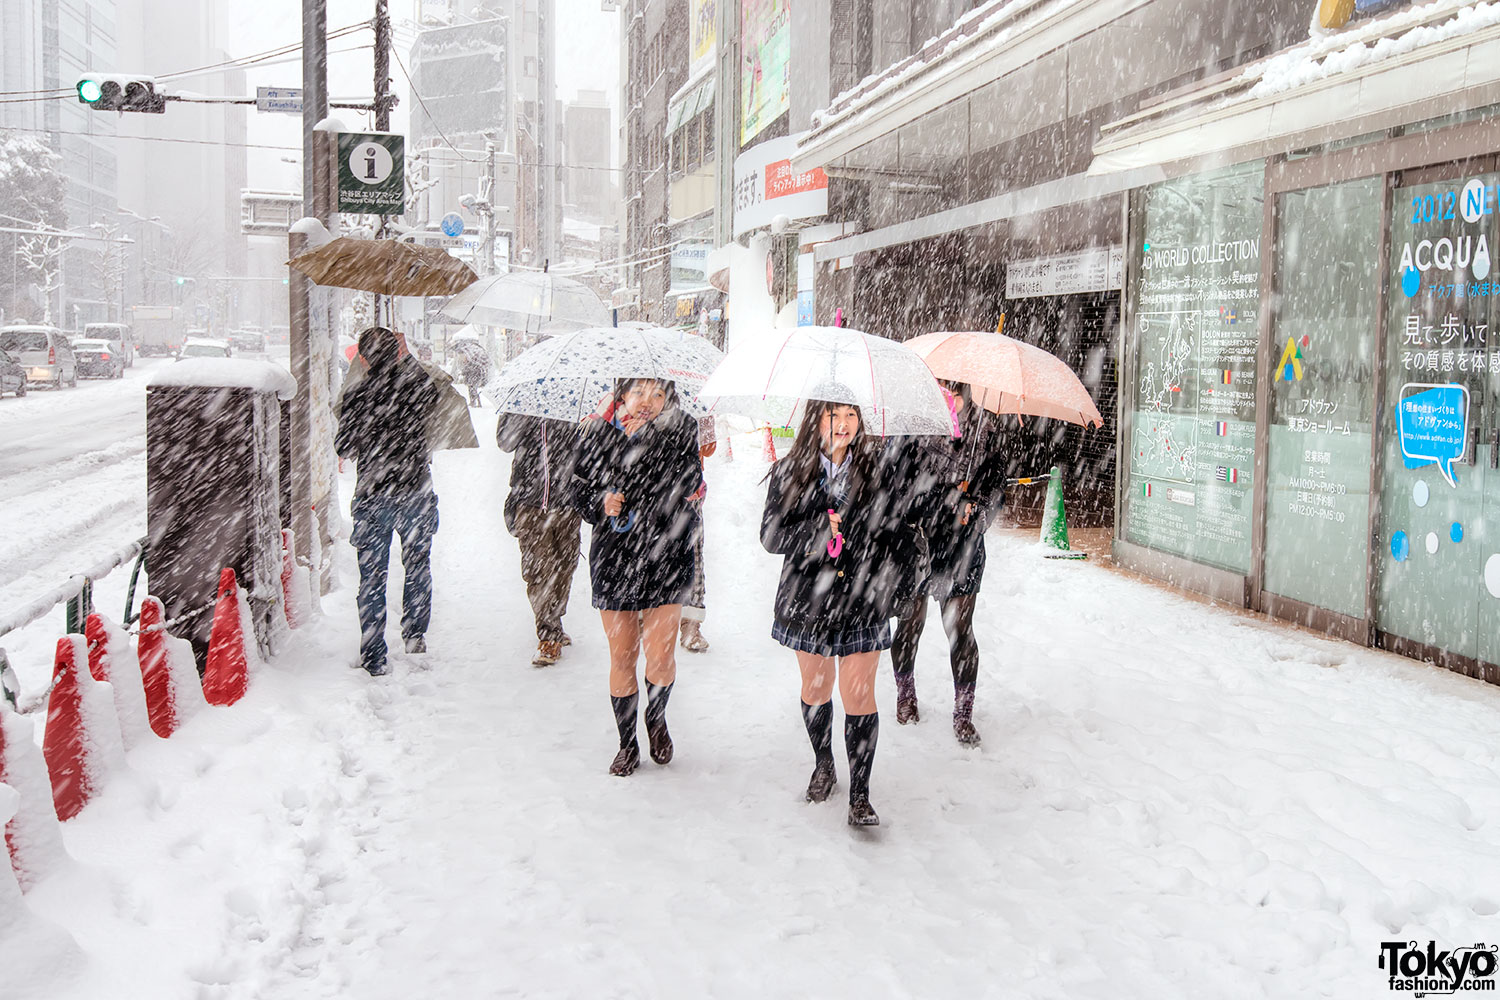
point(452, 224)
point(268, 213)
point(437, 240)
point(372, 173)
point(280, 100)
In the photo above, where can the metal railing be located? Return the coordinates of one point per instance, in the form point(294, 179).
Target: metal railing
point(78, 593)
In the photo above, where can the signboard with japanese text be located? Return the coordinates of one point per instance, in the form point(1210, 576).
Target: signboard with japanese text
point(765, 187)
point(701, 32)
point(372, 173)
point(765, 64)
point(1099, 269)
point(1191, 430)
point(1440, 493)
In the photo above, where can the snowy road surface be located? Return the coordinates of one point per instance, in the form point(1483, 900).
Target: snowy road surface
point(1171, 801)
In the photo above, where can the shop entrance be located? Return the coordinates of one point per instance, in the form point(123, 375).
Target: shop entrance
point(1439, 522)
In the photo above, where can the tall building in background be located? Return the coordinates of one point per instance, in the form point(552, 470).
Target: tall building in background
point(479, 79)
point(590, 191)
point(45, 45)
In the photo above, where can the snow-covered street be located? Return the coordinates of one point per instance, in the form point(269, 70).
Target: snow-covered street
point(1171, 800)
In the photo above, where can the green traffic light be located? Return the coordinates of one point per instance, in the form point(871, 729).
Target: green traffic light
point(90, 91)
point(181, 280)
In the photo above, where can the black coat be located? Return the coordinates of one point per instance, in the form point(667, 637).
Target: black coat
point(946, 474)
point(546, 453)
point(650, 562)
point(858, 588)
point(383, 423)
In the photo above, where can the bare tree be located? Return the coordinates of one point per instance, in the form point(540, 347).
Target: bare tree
point(41, 256)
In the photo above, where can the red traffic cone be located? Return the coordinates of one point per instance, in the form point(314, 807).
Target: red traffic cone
point(227, 673)
point(728, 447)
point(33, 837)
point(156, 676)
point(65, 745)
point(112, 661)
point(768, 447)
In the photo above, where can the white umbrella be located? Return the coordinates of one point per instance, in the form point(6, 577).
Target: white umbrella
point(527, 300)
point(771, 377)
point(566, 376)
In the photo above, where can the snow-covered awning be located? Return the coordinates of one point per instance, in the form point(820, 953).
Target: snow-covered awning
point(689, 102)
point(1426, 61)
point(991, 41)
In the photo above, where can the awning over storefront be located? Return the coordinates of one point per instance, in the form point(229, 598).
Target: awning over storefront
point(690, 102)
point(1424, 62)
point(995, 39)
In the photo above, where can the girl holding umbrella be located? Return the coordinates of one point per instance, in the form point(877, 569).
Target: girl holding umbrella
point(831, 514)
point(637, 468)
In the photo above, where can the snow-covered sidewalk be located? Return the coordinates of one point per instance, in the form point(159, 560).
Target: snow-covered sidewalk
point(1171, 801)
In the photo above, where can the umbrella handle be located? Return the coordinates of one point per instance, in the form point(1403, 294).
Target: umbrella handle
point(836, 543)
point(614, 522)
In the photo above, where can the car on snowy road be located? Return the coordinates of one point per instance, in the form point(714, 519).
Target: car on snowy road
point(99, 358)
point(120, 333)
point(203, 347)
point(12, 375)
point(43, 351)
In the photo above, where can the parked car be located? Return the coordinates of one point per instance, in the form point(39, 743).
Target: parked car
point(203, 347)
point(12, 375)
point(99, 358)
point(120, 333)
point(44, 352)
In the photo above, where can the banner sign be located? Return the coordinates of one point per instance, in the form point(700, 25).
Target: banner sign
point(765, 186)
point(372, 173)
point(766, 49)
point(701, 34)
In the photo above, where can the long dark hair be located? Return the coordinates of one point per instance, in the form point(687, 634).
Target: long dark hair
point(802, 461)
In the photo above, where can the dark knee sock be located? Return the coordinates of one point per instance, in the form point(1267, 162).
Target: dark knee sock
point(819, 722)
point(963, 702)
point(656, 703)
point(861, 733)
point(625, 718)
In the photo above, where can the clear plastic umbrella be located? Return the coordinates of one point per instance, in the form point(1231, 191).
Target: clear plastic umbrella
point(770, 378)
point(528, 300)
point(565, 377)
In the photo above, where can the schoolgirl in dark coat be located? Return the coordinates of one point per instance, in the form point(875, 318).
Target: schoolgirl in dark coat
point(637, 468)
point(962, 485)
point(835, 516)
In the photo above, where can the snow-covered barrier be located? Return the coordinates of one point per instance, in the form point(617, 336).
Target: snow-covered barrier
point(169, 673)
point(230, 652)
point(33, 836)
point(113, 661)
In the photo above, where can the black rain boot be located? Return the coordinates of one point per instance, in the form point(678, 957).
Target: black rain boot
point(656, 722)
point(819, 723)
point(963, 715)
point(630, 751)
point(906, 698)
point(861, 733)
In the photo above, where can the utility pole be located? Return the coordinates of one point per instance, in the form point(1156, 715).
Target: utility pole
point(304, 300)
point(487, 199)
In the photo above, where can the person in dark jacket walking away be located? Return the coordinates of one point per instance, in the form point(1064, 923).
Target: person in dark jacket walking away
point(637, 469)
point(383, 427)
point(833, 515)
point(962, 481)
point(539, 512)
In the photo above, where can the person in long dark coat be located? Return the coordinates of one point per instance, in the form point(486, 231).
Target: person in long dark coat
point(962, 484)
point(539, 511)
point(637, 469)
point(384, 427)
point(835, 516)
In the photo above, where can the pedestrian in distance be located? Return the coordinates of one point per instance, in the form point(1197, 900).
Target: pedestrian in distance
point(540, 513)
point(637, 469)
point(834, 515)
point(695, 605)
point(384, 422)
point(961, 484)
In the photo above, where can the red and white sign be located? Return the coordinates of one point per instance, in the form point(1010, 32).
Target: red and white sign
point(765, 187)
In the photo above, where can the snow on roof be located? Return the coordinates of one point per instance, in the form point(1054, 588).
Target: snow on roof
point(1381, 38)
point(978, 31)
point(227, 373)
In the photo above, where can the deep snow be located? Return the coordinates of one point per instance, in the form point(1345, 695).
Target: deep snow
point(1172, 800)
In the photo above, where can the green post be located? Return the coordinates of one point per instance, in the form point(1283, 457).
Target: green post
point(80, 607)
point(10, 687)
point(1054, 517)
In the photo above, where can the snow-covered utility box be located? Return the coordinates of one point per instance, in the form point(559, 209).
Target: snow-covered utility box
point(213, 489)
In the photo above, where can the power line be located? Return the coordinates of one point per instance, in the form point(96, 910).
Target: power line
point(153, 138)
point(429, 114)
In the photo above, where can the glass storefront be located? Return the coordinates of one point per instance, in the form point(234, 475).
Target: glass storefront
point(1190, 432)
point(1439, 522)
point(1322, 394)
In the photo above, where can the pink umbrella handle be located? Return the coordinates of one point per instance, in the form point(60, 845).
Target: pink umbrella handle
point(948, 398)
point(836, 545)
point(838, 316)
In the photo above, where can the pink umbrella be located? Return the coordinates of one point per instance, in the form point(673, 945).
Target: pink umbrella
point(1009, 376)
